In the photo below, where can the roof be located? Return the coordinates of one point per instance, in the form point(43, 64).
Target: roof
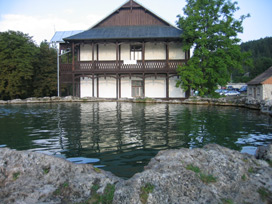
point(127, 32)
point(133, 3)
point(261, 78)
point(60, 35)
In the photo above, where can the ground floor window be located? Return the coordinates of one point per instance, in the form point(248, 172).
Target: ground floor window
point(137, 88)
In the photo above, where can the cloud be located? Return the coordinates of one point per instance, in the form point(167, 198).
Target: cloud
point(42, 28)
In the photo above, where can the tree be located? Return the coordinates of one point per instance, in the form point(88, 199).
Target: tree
point(210, 28)
point(17, 56)
point(45, 74)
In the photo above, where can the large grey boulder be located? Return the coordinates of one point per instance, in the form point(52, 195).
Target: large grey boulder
point(213, 174)
point(28, 178)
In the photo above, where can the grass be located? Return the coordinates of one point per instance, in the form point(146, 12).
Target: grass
point(97, 170)
point(62, 188)
point(251, 170)
point(270, 163)
point(244, 177)
point(105, 198)
point(15, 176)
point(193, 168)
point(227, 201)
point(205, 178)
point(264, 193)
point(145, 190)
point(46, 170)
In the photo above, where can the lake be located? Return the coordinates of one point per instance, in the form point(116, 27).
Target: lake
point(123, 137)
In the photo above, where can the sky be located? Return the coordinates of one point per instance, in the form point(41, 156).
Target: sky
point(41, 18)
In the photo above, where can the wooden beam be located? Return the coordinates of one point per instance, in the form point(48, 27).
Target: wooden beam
point(117, 55)
point(117, 86)
point(93, 53)
point(120, 86)
point(167, 86)
point(73, 56)
point(73, 87)
point(167, 55)
point(93, 85)
point(97, 86)
point(143, 54)
point(143, 85)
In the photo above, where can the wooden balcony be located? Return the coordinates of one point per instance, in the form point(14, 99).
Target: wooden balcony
point(148, 66)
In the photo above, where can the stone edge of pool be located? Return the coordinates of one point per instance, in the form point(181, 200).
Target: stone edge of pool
point(264, 106)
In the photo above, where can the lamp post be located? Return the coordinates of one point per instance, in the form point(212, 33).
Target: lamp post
point(58, 63)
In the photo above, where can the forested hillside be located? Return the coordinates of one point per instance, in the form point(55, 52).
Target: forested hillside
point(26, 70)
point(261, 51)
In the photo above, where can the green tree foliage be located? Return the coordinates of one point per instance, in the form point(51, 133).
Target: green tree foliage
point(210, 28)
point(25, 69)
point(45, 75)
point(17, 56)
point(261, 54)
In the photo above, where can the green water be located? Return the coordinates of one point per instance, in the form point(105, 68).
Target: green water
point(123, 137)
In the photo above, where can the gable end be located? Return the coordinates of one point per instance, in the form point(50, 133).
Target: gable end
point(131, 14)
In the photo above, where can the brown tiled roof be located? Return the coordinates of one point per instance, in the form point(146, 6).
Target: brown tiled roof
point(262, 77)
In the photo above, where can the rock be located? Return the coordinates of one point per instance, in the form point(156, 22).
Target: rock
point(27, 177)
point(264, 152)
point(213, 174)
point(181, 176)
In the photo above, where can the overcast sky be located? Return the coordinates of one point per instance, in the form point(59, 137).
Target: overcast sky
point(41, 18)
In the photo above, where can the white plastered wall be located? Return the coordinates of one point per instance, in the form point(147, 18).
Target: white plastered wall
point(175, 92)
point(267, 91)
point(125, 88)
point(155, 88)
point(155, 51)
point(175, 51)
point(125, 52)
point(86, 87)
point(107, 52)
point(107, 87)
point(86, 52)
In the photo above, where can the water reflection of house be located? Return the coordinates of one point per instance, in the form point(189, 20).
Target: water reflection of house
point(260, 87)
point(130, 53)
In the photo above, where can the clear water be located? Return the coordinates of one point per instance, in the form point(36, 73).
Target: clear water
point(123, 137)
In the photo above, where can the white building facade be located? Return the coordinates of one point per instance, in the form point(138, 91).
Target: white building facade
point(131, 53)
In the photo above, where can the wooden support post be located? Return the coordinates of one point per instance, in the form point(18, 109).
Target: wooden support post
point(93, 85)
point(73, 87)
point(120, 86)
point(167, 86)
point(167, 55)
point(73, 56)
point(93, 55)
point(144, 85)
point(117, 83)
point(143, 54)
point(117, 55)
point(97, 86)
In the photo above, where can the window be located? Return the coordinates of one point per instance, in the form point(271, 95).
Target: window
point(137, 88)
point(136, 52)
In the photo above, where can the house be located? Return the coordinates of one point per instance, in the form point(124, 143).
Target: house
point(130, 53)
point(260, 87)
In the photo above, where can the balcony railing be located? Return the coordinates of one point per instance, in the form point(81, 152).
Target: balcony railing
point(85, 66)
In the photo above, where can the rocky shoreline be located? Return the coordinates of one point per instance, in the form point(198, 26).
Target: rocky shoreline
point(212, 174)
point(264, 106)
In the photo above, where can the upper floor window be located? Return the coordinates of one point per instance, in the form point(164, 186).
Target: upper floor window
point(136, 52)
